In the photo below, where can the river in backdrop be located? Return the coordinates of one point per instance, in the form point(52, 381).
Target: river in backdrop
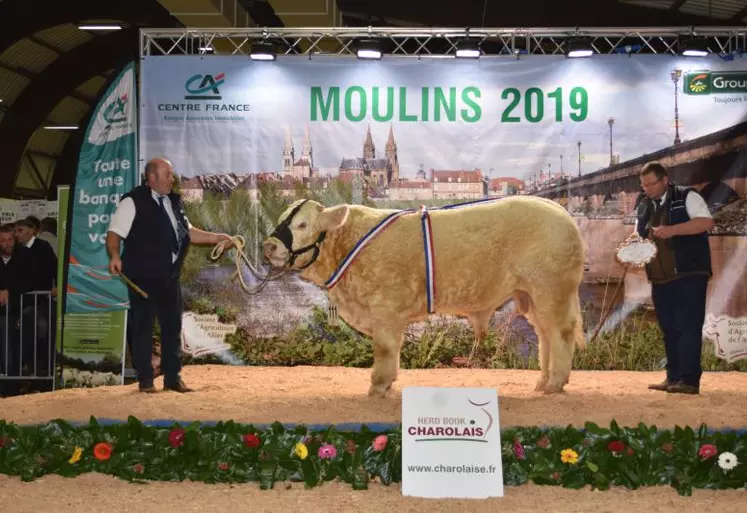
point(286, 302)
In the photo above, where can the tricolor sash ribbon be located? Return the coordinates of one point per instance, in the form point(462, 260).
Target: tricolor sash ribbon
point(348, 260)
point(425, 221)
point(430, 285)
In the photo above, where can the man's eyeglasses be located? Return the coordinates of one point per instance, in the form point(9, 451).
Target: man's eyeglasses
point(651, 184)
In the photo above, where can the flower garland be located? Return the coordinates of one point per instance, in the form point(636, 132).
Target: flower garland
point(631, 457)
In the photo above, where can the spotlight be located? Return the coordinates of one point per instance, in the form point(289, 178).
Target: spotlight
point(262, 52)
point(369, 49)
point(468, 49)
point(693, 47)
point(579, 47)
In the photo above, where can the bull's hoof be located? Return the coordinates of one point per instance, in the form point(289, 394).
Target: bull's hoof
point(553, 387)
point(379, 390)
point(541, 384)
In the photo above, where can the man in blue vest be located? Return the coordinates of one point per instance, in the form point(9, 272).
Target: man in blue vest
point(151, 220)
point(677, 219)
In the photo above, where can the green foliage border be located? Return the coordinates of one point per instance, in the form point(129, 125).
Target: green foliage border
point(630, 457)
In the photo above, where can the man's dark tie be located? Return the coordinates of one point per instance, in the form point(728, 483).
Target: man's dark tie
point(175, 240)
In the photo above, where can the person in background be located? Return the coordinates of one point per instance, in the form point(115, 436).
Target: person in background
point(46, 258)
point(156, 233)
point(48, 232)
point(677, 219)
point(36, 224)
point(17, 277)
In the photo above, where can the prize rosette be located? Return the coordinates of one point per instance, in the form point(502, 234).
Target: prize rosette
point(635, 251)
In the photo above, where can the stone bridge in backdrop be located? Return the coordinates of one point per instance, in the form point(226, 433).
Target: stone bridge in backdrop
point(603, 203)
point(713, 163)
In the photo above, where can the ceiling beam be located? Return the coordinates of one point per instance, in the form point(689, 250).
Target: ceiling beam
point(262, 13)
point(307, 13)
point(67, 163)
point(26, 73)
point(37, 174)
point(52, 85)
point(29, 17)
point(573, 13)
point(677, 4)
point(44, 44)
point(739, 16)
point(23, 192)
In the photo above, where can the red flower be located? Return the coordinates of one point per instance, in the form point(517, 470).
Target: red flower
point(176, 437)
point(251, 441)
point(138, 468)
point(616, 446)
point(223, 466)
point(519, 450)
point(629, 451)
point(543, 442)
point(667, 447)
point(707, 451)
point(102, 451)
point(4, 440)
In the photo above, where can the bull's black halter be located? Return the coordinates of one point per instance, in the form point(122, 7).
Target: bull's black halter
point(283, 234)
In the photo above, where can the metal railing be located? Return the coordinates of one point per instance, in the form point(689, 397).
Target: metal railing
point(28, 326)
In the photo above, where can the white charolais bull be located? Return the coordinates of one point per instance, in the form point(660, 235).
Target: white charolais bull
point(386, 269)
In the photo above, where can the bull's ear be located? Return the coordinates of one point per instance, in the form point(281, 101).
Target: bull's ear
point(333, 217)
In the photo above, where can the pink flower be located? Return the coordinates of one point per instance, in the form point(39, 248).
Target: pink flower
point(519, 450)
point(667, 447)
point(707, 451)
point(327, 452)
point(138, 468)
point(379, 443)
point(223, 466)
point(543, 442)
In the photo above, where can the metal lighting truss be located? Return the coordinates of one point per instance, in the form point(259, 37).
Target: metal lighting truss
point(438, 42)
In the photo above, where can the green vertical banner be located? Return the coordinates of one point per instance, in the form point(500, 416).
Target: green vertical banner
point(107, 169)
point(63, 200)
point(92, 329)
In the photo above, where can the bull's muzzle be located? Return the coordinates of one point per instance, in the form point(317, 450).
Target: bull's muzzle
point(272, 248)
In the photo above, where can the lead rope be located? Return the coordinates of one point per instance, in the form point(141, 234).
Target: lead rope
point(240, 244)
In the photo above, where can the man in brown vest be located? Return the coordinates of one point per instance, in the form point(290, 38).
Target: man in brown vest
point(677, 219)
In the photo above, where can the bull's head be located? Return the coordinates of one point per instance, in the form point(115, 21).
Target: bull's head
point(301, 229)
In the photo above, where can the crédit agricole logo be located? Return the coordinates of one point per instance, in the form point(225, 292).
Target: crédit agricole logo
point(205, 100)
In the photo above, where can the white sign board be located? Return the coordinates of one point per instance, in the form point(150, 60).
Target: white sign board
point(451, 443)
point(204, 334)
point(729, 336)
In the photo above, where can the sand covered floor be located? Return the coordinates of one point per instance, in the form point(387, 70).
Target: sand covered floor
point(336, 395)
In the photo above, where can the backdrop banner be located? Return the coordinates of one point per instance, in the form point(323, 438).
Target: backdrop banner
point(246, 138)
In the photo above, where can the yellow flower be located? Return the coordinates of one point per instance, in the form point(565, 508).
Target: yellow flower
point(569, 456)
point(77, 453)
point(301, 451)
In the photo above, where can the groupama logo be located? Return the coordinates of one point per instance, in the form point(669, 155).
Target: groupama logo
point(698, 83)
point(204, 87)
point(715, 82)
